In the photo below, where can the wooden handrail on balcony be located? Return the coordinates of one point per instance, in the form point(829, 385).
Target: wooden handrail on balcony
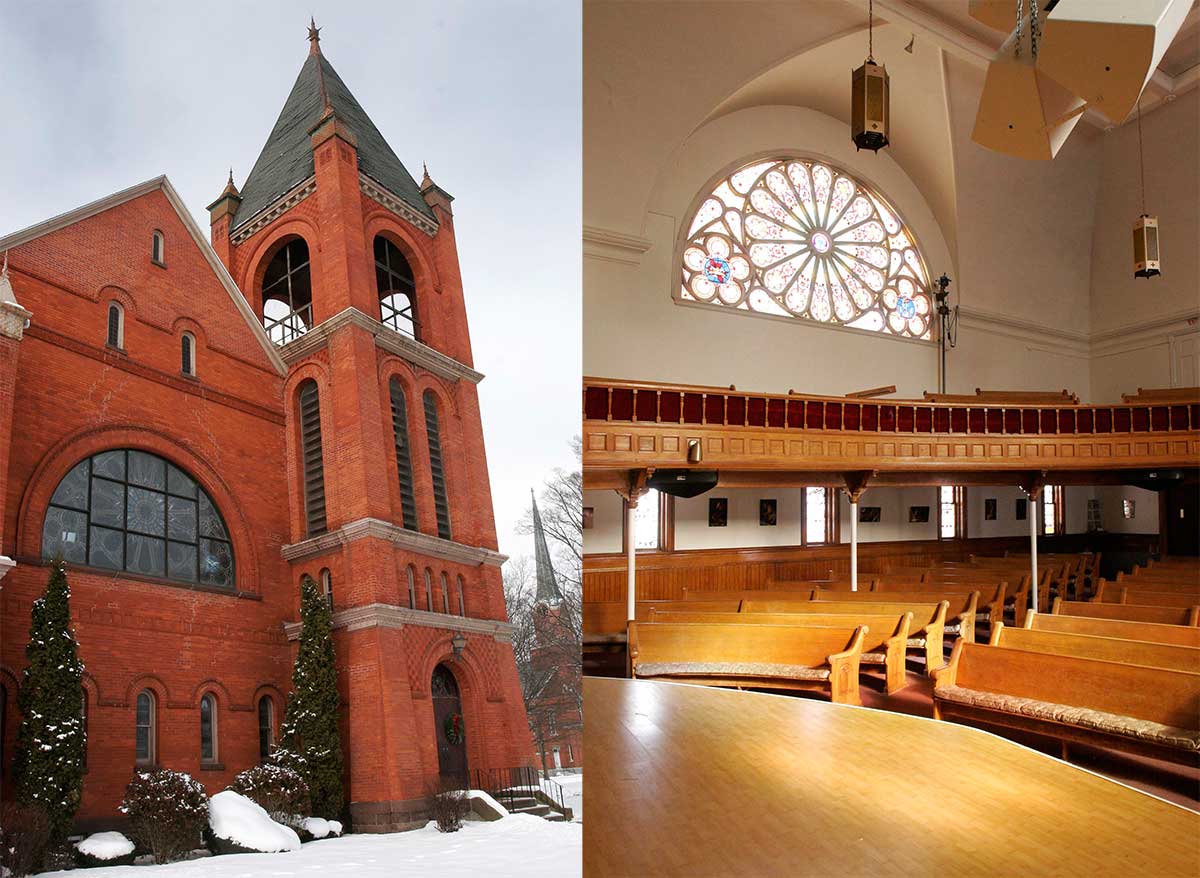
point(634, 401)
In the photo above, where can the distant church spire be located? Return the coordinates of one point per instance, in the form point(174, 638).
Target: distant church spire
point(547, 587)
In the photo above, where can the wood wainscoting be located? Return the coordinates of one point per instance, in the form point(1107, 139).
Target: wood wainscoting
point(663, 575)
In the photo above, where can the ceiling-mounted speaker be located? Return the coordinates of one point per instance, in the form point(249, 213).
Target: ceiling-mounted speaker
point(1022, 112)
point(682, 482)
point(1106, 50)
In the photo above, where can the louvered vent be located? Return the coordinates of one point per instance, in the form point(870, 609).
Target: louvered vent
point(403, 458)
point(314, 467)
point(435, 466)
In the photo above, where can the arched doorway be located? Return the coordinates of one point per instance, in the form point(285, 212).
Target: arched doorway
point(448, 727)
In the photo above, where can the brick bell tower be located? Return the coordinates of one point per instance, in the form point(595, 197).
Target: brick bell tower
point(353, 268)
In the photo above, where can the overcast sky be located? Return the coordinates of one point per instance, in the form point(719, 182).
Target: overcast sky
point(99, 96)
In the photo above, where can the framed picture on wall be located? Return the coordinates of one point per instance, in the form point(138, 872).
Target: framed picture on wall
point(768, 513)
point(1129, 508)
point(1022, 509)
point(989, 509)
point(589, 517)
point(918, 514)
point(869, 514)
point(718, 511)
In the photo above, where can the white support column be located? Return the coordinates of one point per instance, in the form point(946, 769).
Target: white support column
point(1034, 516)
point(853, 543)
point(630, 559)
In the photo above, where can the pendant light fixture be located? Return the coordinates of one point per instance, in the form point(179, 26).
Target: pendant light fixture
point(869, 100)
point(1145, 230)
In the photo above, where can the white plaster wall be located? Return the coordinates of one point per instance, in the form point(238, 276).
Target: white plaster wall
point(1145, 520)
point(743, 530)
point(1006, 524)
point(893, 524)
point(605, 534)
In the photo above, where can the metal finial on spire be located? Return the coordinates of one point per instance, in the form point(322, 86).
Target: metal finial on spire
point(231, 175)
point(314, 37)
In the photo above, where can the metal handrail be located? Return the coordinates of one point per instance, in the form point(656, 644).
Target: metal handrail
point(506, 785)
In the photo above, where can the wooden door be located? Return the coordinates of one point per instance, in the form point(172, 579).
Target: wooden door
point(448, 728)
point(1182, 525)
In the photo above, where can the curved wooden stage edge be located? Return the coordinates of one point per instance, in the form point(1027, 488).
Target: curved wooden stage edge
point(701, 782)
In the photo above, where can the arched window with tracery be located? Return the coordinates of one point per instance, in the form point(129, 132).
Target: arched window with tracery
point(287, 293)
point(802, 238)
point(397, 289)
point(134, 511)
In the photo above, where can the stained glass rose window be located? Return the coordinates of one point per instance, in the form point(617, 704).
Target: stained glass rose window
point(801, 238)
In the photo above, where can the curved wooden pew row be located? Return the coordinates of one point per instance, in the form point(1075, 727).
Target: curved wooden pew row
point(1109, 649)
point(960, 617)
point(885, 639)
point(1154, 632)
point(1128, 612)
point(792, 657)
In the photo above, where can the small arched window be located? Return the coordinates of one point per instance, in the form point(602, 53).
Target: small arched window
point(412, 587)
point(311, 459)
point(157, 248)
point(397, 291)
point(408, 505)
point(436, 467)
point(116, 326)
point(287, 293)
point(266, 727)
point(187, 354)
point(327, 586)
point(208, 729)
point(801, 238)
point(146, 725)
point(462, 607)
point(445, 593)
point(429, 589)
point(130, 510)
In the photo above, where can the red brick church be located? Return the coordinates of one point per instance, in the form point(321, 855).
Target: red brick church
point(194, 426)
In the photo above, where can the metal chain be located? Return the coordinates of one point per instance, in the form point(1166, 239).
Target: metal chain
point(1141, 155)
point(1020, 23)
point(1034, 27)
point(870, 30)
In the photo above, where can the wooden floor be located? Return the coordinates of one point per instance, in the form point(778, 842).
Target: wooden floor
point(692, 781)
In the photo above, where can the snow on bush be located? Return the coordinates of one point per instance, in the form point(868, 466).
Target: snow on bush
point(280, 791)
point(167, 810)
point(319, 827)
point(235, 818)
point(106, 846)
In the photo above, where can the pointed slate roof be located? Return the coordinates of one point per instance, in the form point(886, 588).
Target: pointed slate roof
point(287, 158)
point(547, 586)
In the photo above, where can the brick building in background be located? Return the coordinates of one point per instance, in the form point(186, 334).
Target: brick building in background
point(194, 426)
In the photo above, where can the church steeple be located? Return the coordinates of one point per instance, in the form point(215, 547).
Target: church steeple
point(547, 585)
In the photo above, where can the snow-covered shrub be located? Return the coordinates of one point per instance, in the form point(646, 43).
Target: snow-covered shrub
point(238, 825)
point(104, 849)
point(319, 827)
point(167, 812)
point(449, 806)
point(280, 791)
point(24, 832)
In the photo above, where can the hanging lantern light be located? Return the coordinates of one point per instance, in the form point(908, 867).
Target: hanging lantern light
point(1145, 229)
point(869, 101)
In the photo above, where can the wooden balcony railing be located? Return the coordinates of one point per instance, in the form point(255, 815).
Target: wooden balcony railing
point(987, 429)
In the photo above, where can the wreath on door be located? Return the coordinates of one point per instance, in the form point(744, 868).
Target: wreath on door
point(452, 728)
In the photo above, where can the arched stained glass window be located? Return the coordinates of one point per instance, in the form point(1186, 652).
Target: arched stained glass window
point(266, 727)
point(134, 511)
point(801, 238)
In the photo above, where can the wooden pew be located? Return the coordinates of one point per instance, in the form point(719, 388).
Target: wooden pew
point(1128, 612)
point(1183, 635)
point(1111, 591)
point(793, 657)
point(1125, 595)
point(885, 634)
point(1108, 649)
point(1150, 711)
point(604, 621)
point(991, 596)
point(926, 634)
point(960, 617)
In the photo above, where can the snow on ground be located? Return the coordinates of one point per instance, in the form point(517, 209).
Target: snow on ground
point(572, 785)
point(519, 846)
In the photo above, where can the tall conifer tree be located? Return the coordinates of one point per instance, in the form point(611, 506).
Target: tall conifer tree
point(48, 764)
point(311, 741)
